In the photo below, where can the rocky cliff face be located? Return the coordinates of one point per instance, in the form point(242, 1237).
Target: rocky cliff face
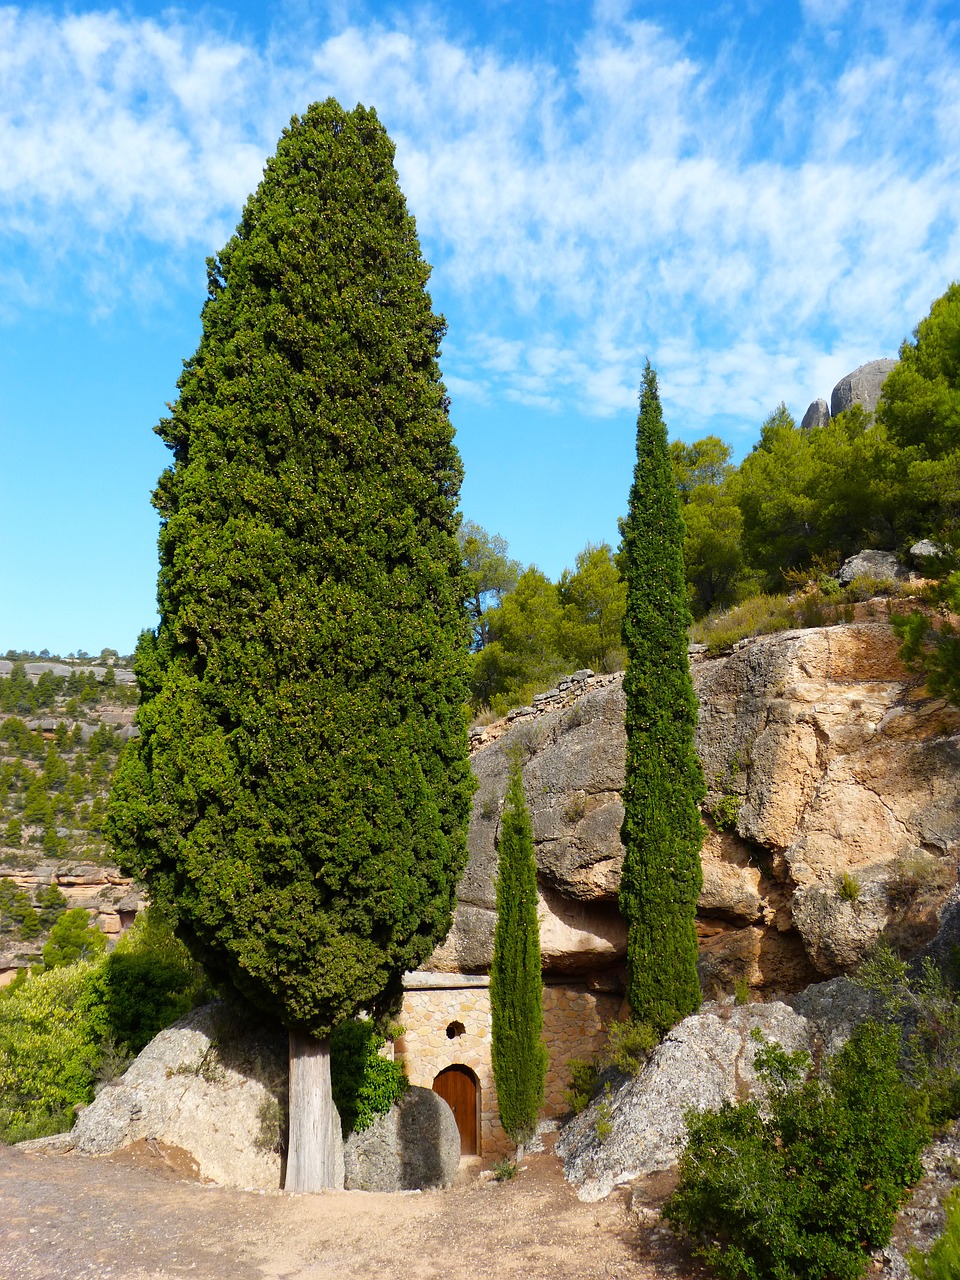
point(833, 812)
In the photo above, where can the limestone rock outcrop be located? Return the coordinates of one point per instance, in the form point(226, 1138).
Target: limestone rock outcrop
point(861, 387)
point(210, 1085)
point(705, 1061)
point(817, 415)
point(833, 784)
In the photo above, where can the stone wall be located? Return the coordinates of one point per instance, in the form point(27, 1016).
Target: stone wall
point(574, 1021)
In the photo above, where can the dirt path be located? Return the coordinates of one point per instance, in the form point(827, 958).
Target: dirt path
point(135, 1216)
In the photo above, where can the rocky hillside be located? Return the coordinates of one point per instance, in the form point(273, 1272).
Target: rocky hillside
point(833, 812)
point(61, 729)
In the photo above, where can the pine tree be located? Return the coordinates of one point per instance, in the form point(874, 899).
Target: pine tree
point(516, 983)
point(298, 799)
point(661, 833)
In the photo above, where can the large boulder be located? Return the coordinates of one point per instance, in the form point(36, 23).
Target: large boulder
point(213, 1085)
point(861, 387)
point(883, 566)
point(414, 1147)
point(705, 1061)
point(817, 415)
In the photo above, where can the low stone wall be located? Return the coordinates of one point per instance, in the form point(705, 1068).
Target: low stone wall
point(447, 1022)
point(568, 691)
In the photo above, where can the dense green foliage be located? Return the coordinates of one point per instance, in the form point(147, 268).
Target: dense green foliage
point(803, 1190)
point(942, 1260)
point(299, 796)
point(663, 788)
point(540, 630)
point(73, 938)
point(517, 1051)
point(147, 982)
point(62, 1026)
point(365, 1085)
point(490, 575)
point(50, 1030)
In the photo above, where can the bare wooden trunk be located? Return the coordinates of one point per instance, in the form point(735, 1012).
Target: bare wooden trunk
point(315, 1145)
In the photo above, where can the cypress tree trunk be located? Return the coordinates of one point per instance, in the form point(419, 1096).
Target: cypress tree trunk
point(315, 1144)
point(516, 980)
point(662, 833)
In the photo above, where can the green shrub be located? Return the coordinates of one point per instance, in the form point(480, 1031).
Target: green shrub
point(726, 812)
point(604, 1122)
point(805, 1191)
point(141, 995)
point(50, 1030)
point(364, 1084)
point(584, 1080)
point(71, 939)
point(848, 887)
point(149, 981)
point(79, 1021)
point(923, 1000)
point(629, 1045)
point(942, 1260)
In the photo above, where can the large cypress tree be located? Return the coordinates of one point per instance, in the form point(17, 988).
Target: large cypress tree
point(661, 833)
point(298, 798)
point(517, 1051)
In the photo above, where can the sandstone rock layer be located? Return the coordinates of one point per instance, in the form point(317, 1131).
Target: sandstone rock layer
point(833, 811)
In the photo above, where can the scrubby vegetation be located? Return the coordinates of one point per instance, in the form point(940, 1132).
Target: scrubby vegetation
point(84, 1012)
point(625, 1054)
point(803, 1188)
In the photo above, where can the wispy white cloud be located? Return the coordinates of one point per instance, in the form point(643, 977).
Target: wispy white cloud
point(745, 234)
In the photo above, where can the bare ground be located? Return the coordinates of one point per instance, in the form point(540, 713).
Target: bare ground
point(141, 1215)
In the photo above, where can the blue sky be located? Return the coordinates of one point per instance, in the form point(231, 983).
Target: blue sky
point(759, 196)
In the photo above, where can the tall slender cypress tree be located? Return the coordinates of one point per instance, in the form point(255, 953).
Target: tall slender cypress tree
point(661, 833)
point(516, 980)
point(299, 795)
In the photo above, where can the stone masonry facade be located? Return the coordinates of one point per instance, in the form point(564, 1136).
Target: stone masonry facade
point(447, 1022)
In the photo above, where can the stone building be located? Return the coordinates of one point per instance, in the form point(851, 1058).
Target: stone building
point(446, 1045)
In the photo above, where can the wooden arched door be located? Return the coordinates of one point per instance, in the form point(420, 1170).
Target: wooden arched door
point(457, 1086)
